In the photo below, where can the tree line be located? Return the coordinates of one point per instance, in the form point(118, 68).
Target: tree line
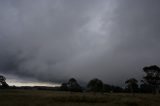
point(150, 81)
point(149, 84)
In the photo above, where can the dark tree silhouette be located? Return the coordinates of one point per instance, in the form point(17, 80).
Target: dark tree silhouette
point(95, 85)
point(64, 87)
point(112, 88)
point(145, 88)
point(132, 85)
point(3, 82)
point(152, 77)
point(73, 86)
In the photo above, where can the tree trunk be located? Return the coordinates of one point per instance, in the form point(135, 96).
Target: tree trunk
point(157, 90)
point(132, 91)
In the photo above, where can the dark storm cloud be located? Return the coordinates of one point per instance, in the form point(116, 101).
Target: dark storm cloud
point(136, 37)
point(58, 39)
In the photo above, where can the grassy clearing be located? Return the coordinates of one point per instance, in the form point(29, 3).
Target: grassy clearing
point(50, 98)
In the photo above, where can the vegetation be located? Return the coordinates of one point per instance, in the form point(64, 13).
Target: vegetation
point(72, 86)
point(51, 98)
point(152, 77)
point(112, 88)
point(106, 94)
point(95, 85)
point(145, 88)
point(3, 83)
point(132, 85)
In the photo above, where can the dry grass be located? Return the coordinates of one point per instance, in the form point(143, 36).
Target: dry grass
point(50, 98)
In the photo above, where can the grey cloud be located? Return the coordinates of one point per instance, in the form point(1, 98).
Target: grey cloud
point(58, 39)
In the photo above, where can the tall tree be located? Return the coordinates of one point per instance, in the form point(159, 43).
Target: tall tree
point(152, 77)
point(132, 85)
point(3, 82)
point(73, 85)
point(95, 85)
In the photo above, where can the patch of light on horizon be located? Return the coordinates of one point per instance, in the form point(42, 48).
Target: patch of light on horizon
point(29, 83)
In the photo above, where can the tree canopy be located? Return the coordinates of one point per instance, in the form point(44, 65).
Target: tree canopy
point(72, 85)
point(3, 82)
point(132, 84)
point(152, 77)
point(95, 85)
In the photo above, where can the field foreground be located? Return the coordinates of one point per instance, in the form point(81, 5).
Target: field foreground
point(51, 98)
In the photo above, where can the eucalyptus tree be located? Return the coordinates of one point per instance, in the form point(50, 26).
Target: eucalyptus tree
point(152, 77)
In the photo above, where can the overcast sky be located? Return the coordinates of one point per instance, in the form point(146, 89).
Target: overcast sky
point(54, 40)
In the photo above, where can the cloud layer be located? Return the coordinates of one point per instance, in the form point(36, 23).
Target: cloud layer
point(54, 40)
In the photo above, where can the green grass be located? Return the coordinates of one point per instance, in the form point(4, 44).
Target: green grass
point(51, 98)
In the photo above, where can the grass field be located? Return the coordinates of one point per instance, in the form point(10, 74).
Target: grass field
point(51, 98)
